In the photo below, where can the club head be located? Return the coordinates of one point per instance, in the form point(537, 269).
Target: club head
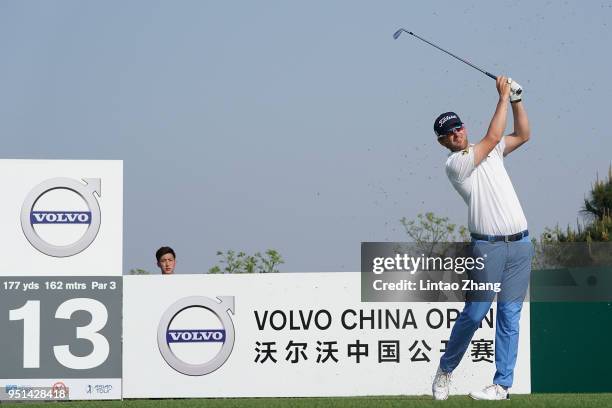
point(399, 32)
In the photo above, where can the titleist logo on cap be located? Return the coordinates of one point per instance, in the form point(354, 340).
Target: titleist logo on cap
point(446, 119)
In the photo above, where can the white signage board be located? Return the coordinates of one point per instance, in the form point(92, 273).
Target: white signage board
point(61, 217)
point(292, 335)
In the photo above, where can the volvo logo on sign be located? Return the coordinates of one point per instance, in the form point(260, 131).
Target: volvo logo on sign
point(61, 216)
point(196, 334)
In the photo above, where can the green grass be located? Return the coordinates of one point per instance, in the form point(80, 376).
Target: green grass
point(529, 401)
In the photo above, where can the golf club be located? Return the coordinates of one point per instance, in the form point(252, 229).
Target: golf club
point(399, 32)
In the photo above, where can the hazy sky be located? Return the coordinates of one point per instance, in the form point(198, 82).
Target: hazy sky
point(300, 126)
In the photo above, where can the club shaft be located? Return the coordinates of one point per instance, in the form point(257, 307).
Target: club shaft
point(452, 55)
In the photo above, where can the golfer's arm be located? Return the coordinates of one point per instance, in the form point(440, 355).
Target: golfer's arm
point(521, 132)
point(494, 133)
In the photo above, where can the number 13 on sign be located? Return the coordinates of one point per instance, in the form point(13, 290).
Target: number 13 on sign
point(29, 313)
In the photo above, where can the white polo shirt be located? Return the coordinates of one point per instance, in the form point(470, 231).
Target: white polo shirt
point(493, 207)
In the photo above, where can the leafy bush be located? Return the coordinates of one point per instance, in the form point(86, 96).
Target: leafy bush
point(240, 262)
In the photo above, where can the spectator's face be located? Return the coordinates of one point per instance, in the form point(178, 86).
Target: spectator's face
point(166, 264)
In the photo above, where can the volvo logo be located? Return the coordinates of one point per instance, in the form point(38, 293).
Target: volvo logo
point(61, 216)
point(196, 334)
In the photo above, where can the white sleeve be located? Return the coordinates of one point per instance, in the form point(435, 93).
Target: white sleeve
point(501, 146)
point(460, 165)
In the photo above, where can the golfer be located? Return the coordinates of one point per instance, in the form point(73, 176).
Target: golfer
point(499, 235)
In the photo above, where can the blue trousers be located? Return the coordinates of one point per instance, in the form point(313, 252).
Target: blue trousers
point(507, 263)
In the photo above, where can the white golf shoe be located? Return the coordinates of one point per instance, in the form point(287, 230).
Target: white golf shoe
point(441, 385)
point(491, 393)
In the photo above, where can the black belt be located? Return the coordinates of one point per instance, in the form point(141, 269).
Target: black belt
point(505, 238)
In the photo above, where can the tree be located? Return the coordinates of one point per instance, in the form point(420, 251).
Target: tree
point(139, 271)
point(599, 203)
point(433, 229)
point(598, 217)
point(240, 262)
point(433, 235)
point(588, 243)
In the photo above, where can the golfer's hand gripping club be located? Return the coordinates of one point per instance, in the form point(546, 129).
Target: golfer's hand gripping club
point(516, 91)
point(502, 84)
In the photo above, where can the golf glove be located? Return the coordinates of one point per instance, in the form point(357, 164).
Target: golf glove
point(516, 91)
